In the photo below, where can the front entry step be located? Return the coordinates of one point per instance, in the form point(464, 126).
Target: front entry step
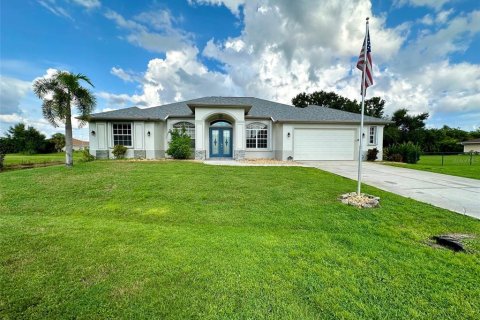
point(220, 159)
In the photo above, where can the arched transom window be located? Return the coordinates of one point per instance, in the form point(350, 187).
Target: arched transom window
point(189, 129)
point(257, 136)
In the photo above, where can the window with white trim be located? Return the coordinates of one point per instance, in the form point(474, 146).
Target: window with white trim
point(189, 129)
point(257, 136)
point(122, 134)
point(372, 135)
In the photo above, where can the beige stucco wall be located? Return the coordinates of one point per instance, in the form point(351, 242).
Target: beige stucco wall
point(280, 145)
point(143, 145)
point(471, 147)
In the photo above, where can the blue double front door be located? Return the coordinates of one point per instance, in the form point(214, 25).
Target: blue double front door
point(221, 142)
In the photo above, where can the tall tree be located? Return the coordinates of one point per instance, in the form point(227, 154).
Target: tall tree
point(373, 107)
point(58, 139)
point(59, 93)
point(23, 139)
point(405, 128)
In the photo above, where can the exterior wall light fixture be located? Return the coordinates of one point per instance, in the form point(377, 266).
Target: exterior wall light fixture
point(93, 132)
point(148, 133)
point(288, 135)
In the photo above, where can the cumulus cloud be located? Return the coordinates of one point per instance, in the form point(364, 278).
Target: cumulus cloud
point(12, 91)
point(178, 77)
point(232, 5)
point(437, 19)
point(454, 36)
point(285, 48)
point(122, 74)
point(122, 100)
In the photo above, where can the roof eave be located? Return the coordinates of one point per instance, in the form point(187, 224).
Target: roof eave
point(91, 119)
point(190, 116)
point(333, 121)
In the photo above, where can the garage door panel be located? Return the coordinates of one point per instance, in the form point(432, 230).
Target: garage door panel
point(324, 144)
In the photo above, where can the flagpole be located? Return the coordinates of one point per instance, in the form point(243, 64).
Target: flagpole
point(360, 144)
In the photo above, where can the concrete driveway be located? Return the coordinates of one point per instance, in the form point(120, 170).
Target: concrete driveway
point(457, 194)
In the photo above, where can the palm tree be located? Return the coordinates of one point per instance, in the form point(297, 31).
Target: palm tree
point(59, 93)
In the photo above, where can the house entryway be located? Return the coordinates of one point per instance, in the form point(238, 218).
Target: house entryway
point(221, 139)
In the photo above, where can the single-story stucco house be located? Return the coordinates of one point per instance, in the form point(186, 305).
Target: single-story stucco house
point(238, 128)
point(471, 145)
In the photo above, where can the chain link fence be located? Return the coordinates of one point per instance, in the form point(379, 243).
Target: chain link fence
point(450, 158)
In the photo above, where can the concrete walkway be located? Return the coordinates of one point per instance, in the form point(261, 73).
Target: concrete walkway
point(457, 194)
point(230, 162)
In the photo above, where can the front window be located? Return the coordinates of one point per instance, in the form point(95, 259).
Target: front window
point(372, 137)
point(122, 134)
point(189, 130)
point(257, 136)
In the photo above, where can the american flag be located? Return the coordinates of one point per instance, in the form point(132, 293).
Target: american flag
point(361, 61)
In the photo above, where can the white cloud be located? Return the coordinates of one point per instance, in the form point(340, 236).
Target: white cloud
point(159, 19)
point(122, 74)
point(165, 37)
point(286, 48)
point(12, 91)
point(442, 16)
point(122, 100)
point(88, 4)
point(53, 7)
point(11, 118)
point(178, 77)
point(455, 36)
point(232, 5)
point(435, 4)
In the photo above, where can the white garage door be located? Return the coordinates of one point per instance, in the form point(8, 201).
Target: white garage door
point(324, 144)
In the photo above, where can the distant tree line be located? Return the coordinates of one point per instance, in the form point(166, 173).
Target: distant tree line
point(25, 139)
point(405, 127)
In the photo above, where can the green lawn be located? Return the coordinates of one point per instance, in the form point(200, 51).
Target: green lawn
point(15, 159)
point(183, 240)
point(455, 165)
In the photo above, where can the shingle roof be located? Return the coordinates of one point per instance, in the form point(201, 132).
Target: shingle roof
point(473, 141)
point(77, 142)
point(259, 109)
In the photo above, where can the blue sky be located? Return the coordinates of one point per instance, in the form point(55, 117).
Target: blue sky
point(145, 53)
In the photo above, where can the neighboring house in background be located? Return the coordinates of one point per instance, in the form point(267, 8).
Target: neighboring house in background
point(78, 144)
point(471, 145)
point(238, 128)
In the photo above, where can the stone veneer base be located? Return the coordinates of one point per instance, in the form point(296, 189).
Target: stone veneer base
point(239, 154)
point(139, 154)
point(101, 154)
point(200, 155)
